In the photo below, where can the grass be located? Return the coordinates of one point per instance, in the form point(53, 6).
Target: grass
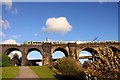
point(9, 72)
point(0, 72)
point(44, 72)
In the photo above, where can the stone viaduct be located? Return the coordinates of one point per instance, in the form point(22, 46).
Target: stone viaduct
point(70, 49)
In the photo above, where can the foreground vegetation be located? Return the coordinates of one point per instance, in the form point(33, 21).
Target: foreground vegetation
point(44, 72)
point(4, 61)
point(69, 69)
point(9, 72)
point(106, 66)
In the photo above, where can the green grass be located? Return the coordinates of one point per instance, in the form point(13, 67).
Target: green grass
point(9, 72)
point(44, 72)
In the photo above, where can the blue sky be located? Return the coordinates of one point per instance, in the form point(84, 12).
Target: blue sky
point(87, 19)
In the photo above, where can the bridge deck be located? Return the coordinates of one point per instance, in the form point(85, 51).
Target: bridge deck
point(39, 60)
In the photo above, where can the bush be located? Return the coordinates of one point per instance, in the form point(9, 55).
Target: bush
point(70, 68)
point(4, 60)
point(15, 60)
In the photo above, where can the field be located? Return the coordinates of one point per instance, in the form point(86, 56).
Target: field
point(9, 72)
point(44, 72)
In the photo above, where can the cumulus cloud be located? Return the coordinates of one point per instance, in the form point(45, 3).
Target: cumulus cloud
point(4, 24)
point(2, 34)
point(10, 41)
point(7, 3)
point(57, 25)
point(8, 6)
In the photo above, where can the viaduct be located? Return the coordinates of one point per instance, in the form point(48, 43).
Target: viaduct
point(70, 49)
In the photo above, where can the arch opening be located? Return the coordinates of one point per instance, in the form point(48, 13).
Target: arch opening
point(62, 50)
point(86, 55)
point(34, 57)
point(57, 54)
point(15, 57)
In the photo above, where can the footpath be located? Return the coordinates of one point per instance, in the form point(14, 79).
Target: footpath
point(25, 73)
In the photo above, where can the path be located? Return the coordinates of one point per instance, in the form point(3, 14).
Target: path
point(26, 73)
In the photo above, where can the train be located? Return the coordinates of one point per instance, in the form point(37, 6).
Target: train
point(33, 42)
point(40, 42)
point(63, 42)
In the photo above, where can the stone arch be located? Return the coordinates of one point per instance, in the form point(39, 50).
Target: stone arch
point(11, 52)
point(91, 50)
point(114, 49)
point(33, 49)
point(32, 61)
point(8, 51)
point(62, 50)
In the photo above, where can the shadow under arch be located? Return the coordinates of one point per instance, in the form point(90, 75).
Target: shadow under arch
point(91, 50)
point(8, 51)
point(114, 49)
point(62, 50)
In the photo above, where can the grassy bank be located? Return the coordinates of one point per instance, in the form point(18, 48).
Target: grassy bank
point(9, 72)
point(44, 72)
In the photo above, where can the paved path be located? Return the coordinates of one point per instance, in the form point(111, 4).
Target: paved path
point(26, 73)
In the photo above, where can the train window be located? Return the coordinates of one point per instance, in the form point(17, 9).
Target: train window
point(33, 42)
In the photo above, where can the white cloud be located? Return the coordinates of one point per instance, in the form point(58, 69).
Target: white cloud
point(57, 25)
point(2, 34)
point(10, 41)
point(8, 6)
point(7, 3)
point(4, 24)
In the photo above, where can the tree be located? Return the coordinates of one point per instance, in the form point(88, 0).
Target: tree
point(4, 60)
point(106, 65)
point(15, 60)
point(70, 68)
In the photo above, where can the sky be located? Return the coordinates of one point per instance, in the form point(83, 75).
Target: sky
point(63, 21)
point(87, 20)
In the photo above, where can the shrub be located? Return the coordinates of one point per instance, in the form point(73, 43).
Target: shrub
point(16, 60)
point(4, 60)
point(70, 68)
